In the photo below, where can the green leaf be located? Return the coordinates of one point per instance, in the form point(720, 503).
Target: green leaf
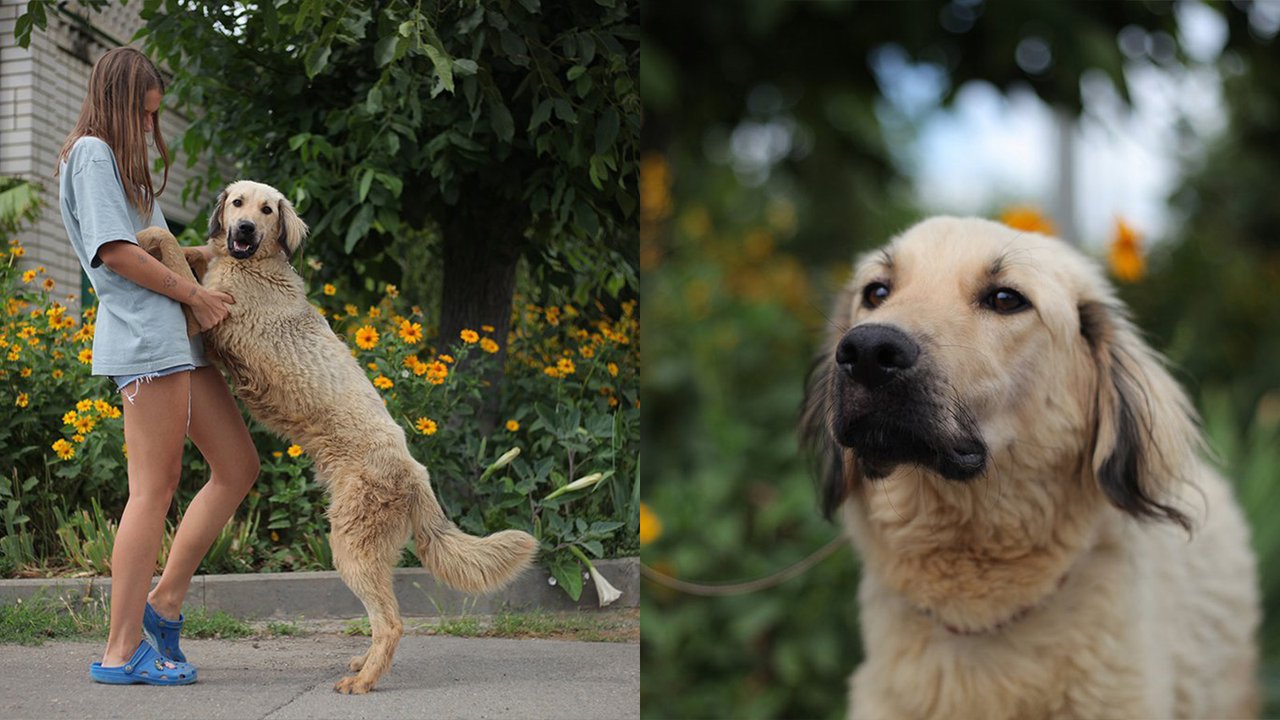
point(387, 49)
point(392, 183)
point(317, 59)
point(568, 574)
point(540, 114)
point(564, 110)
point(444, 67)
point(465, 67)
point(296, 141)
point(575, 72)
point(606, 130)
point(366, 180)
point(358, 228)
point(504, 126)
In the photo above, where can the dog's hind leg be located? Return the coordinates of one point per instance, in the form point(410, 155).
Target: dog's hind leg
point(367, 571)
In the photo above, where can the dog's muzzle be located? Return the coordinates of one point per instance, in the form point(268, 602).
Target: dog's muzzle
point(243, 239)
point(890, 407)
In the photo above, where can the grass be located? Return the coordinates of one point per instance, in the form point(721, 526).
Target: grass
point(34, 621)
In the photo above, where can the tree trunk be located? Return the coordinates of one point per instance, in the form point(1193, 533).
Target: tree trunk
point(480, 257)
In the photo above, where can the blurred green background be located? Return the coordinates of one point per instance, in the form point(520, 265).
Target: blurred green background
point(775, 148)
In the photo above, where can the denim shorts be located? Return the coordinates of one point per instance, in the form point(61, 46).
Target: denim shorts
point(123, 381)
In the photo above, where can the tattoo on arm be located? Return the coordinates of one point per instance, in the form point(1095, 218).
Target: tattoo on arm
point(193, 292)
point(170, 281)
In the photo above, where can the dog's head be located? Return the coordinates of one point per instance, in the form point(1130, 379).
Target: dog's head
point(966, 348)
point(247, 215)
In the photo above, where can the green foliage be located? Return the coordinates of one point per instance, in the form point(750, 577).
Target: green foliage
point(31, 622)
point(200, 623)
point(569, 409)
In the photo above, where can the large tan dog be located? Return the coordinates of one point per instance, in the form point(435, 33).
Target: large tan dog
point(299, 378)
point(1022, 478)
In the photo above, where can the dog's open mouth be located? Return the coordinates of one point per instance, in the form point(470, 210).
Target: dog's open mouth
point(882, 448)
point(241, 247)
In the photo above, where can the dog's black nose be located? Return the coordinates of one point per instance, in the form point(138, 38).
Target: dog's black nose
point(873, 354)
point(245, 226)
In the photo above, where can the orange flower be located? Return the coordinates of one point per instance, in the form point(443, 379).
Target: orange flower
point(488, 346)
point(1125, 256)
point(366, 337)
point(650, 525)
point(469, 336)
point(1027, 219)
point(410, 333)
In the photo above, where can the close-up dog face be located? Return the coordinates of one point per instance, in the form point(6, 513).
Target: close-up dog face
point(965, 347)
point(250, 213)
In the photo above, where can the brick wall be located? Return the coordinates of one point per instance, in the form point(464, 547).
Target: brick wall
point(41, 90)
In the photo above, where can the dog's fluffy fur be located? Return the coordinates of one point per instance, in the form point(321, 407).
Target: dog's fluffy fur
point(1040, 536)
point(299, 378)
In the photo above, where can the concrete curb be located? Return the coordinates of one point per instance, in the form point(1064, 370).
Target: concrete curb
point(323, 594)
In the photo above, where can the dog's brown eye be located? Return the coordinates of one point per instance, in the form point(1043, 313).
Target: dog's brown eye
point(266, 209)
point(874, 295)
point(237, 202)
point(1006, 301)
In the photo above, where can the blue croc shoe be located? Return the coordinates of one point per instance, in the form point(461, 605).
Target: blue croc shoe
point(165, 633)
point(147, 666)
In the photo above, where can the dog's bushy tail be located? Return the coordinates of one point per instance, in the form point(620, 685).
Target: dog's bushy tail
point(465, 562)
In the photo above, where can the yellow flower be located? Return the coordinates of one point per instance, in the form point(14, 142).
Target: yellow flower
point(1027, 219)
point(372, 366)
point(56, 374)
point(84, 424)
point(78, 438)
point(392, 291)
point(383, 382)
point(375, 312)
point(28, 276)
point(426, 426)
point(650, 525)
point(587, 351)
point(1126, 260)
point(275, 536)
point(25, 372)
point(436, 372)
point(551, 371)
point(367, 337)
point(86, 356)
point(103, 407)
point(612, 368)
point(411, 360)
point(48, 284)
point(488, 345)
point(84, 405)
point(65, 450)
point(124, 448)
point(410, 332)
point(294, 451)
point(90, 313)
point(277, 454)
point(17, 251)
point(15, 353)
point(487, 328)
point(512, 426)
point(565, 366)
point(553, 316)
point(329, 289)
point(446, 358)
point(419, 368)
point(69, 417)
point(469, 336)
point(23, 400)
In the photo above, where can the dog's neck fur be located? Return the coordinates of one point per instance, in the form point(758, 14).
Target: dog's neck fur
point(976, 556)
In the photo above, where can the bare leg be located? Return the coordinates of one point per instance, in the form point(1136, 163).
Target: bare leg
point(154, 424)
point(218, 430)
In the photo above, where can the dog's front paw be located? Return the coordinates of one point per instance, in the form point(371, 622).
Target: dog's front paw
point(352, 686)
point(356, 663)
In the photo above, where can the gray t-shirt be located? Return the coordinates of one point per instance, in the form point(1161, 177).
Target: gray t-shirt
point(138, 331)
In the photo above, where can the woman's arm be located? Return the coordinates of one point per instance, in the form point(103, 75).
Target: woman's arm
point(137, 265)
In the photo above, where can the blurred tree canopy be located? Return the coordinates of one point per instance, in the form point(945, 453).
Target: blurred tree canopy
point(738, 242)
point(503, 130)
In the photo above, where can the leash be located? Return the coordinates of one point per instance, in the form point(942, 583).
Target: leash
point(750, 586)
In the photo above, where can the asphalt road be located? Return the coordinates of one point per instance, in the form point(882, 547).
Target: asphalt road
point(293, 677)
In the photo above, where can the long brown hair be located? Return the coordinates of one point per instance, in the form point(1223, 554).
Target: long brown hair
point(113, 110)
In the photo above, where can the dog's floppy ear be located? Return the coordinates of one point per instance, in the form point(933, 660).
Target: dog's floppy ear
point(1146, 435)
point(837, 468)
point(215, 217)
point(292, 229)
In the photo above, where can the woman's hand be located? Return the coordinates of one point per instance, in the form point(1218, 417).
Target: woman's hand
point(210, 307)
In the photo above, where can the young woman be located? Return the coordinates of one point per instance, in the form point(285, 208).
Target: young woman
point(141, 343)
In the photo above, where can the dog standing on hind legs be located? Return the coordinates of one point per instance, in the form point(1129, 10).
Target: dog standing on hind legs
point(299, 379)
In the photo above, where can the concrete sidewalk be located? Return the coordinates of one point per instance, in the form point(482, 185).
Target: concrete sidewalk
point(280, 678)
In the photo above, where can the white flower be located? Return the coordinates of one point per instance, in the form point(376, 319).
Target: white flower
point(579, 484)
point(606, 592)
